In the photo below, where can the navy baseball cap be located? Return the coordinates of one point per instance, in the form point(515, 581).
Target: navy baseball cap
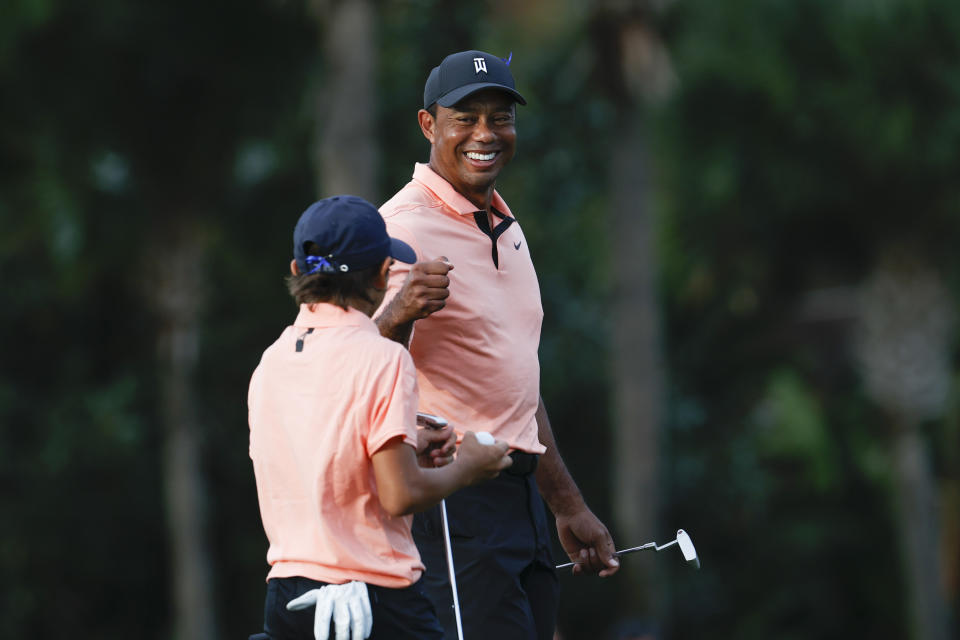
point(461, 74)
point(351, 236)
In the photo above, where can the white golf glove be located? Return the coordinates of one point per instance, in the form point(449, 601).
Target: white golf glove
point(348, 604)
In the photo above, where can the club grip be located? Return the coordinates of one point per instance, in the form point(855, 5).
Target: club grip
point(431, 421)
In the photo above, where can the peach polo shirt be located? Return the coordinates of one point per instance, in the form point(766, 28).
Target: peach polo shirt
point(477, 362)
point(317, 416)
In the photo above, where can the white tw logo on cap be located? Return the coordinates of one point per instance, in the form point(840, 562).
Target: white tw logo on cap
point(480, 64)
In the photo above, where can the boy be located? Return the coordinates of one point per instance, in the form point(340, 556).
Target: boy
point(333, 440)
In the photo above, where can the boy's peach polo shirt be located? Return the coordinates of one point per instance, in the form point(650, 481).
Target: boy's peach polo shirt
point(316, 418)
point(477, 362)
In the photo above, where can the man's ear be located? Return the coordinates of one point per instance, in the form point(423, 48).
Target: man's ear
point(293, 267)
point(427, 124)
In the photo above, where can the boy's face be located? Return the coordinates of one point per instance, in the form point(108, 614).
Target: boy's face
point(379, 289)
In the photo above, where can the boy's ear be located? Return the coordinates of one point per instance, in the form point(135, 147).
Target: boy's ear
point(293, 267)
point(383, 274)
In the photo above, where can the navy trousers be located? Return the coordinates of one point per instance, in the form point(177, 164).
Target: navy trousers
point(506, 582)
point(397, 613)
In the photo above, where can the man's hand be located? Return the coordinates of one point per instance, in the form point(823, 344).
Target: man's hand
point(425, 290)
point(435, 447)
point(588, 543)
point(347, 604)
point(583, 536)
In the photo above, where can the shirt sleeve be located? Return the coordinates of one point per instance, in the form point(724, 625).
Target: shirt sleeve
point(394, 413)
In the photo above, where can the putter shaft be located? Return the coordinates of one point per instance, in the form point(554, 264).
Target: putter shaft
point(649, 545)
point(450, 570)
point(437, 423)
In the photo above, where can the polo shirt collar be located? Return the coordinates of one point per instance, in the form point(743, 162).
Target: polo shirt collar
point(325, 314)
point(426, 176)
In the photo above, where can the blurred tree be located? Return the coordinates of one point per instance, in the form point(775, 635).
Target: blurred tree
point(905, 360)
point(176, 278)
point(347, 153)
point(634, 68)
point(129, 121)
point(805, 138)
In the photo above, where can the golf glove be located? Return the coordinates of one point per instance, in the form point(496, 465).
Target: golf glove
point(348, 604)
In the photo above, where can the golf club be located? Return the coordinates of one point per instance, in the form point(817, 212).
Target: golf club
point(436, 422)
point(682, 539)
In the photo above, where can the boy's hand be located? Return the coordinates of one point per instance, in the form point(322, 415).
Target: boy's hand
point(482, 461)
point(435, 447)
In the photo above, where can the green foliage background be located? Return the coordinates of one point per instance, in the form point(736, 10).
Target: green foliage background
point(801, 139)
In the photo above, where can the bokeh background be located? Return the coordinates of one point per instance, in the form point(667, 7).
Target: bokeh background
point(744, 216)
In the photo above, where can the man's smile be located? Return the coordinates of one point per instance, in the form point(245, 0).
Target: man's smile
point(476, 155)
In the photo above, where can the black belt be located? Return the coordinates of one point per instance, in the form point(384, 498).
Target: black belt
point(523, 463)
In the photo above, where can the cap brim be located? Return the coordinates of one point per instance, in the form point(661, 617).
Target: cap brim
point(401, 251)
point(460, 93)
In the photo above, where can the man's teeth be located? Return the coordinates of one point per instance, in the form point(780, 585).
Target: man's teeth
point(473, 155)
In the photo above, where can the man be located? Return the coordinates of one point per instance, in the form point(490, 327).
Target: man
point(470, 312)
point(333, 440)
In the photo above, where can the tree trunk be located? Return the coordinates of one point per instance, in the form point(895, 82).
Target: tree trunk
point(635, 53)
point(917, 509)
point(347, 154)
point(637, 371)
point(178, 294)
point(904, 341)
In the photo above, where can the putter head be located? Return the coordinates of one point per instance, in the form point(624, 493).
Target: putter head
point(686, 546)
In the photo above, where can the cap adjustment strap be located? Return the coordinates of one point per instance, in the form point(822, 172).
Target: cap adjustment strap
point(324, 264)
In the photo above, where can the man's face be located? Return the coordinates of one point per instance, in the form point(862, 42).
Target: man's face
point(472, 141)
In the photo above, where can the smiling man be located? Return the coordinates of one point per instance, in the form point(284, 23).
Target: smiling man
point(469, 311)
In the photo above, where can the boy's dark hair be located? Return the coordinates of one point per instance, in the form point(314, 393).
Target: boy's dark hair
point(335, 288)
